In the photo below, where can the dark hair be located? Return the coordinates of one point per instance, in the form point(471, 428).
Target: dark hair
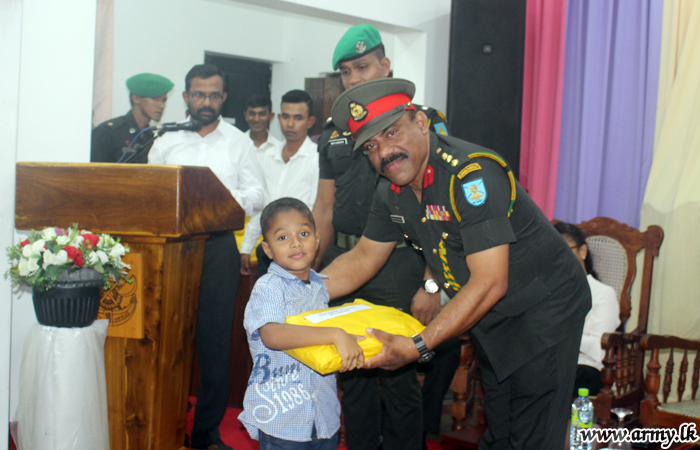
point(299, 96)
point(575, 234)
point(259, 101)
point(280, 205)
point(203, 71)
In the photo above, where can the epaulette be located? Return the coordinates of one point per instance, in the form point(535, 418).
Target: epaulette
point(461, 162)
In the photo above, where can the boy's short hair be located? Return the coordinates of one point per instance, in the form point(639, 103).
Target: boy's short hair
point(280, 205)
point(259, 101)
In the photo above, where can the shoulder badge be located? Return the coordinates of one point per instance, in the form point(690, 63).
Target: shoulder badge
point(469, 169)
point(475, 192)
point(357, 111)
point(440, 128)
point(110, 124)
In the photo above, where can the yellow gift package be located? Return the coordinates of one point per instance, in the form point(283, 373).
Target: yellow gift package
point(354, 318)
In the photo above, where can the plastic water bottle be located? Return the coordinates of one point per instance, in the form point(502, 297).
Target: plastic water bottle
point(581, 418)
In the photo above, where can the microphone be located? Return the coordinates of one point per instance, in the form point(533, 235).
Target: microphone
point(190, 125)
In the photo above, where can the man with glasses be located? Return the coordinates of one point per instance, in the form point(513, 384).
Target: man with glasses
point(231, 156)
point(148, 93)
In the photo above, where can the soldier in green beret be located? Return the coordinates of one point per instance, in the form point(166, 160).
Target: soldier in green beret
point(148, 93)
point(379, 406)
point(512, 279)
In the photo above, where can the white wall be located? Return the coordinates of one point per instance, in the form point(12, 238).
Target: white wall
point(298, 39)
point(46, 92)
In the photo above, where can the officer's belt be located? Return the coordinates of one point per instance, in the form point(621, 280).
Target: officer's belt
point(348, 241)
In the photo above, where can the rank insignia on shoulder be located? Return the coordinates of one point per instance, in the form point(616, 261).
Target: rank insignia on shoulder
point(440, 128)
point(437, 212)
point(442, 115)
point(335, 134)
point(469, 169)
point(397, 219)
point(110, 124)
point(424, 108)
point(475, 192)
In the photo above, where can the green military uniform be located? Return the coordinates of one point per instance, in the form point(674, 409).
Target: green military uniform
point(528, 342)
point(110, 140)
point(395, 285)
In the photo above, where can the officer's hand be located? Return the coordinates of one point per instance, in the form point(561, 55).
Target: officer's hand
point(425, 307)
point(245, 264)
point(396, 352)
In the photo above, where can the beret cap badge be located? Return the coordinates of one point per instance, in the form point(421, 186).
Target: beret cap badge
point(357, 111)
point(360, 47)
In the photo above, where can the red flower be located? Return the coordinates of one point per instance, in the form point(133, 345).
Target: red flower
point(24, 242)
point(90, 239)
point(74, 255)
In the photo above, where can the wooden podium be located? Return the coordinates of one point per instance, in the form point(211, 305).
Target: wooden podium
point(164, 214)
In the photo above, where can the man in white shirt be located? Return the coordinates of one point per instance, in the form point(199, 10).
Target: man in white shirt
point(291, 169)
point(230, 155)
point(258, 114)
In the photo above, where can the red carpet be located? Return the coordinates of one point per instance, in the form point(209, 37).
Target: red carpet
point(234, 434)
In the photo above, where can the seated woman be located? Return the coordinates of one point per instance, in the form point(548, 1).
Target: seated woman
point(604, 316)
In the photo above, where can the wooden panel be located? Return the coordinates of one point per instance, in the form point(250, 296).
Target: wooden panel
point(147, 378)
point(134, 199)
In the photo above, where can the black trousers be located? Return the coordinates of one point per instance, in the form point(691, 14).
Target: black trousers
point(530, 409)
point(220, 277)
point(439, 373)
point(380, 406)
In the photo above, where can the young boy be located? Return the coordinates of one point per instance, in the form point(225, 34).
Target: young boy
point(288, 405)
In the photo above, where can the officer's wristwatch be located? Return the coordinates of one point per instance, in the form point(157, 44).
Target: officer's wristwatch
point(431, 286)
point(425, 354)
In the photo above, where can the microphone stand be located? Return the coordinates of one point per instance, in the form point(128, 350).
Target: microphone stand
point(140, 148)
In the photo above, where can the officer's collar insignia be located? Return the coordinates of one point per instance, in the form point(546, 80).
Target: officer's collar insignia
point(396, 188)
point(455, 162)
point(360, 47)
point(346, 133)
point(428, 176)
point(397, 219)
point(437, 212)
point(335, 134)
point(475, 192)
point(357, 111)
point(469, 169)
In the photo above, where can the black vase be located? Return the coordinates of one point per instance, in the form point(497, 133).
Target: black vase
point(72, 301)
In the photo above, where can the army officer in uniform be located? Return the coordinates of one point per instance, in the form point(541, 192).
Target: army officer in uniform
point(110, 139)
point(511, 277)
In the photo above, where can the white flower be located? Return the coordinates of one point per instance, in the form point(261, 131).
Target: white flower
point(117, 251)
point(57, 259)
point(48, 233)
point(93, 258)
point(103, 256)
point(33, 264)
point(30, 250)
point(77, 241)
point(62, 240)
point(22, 267)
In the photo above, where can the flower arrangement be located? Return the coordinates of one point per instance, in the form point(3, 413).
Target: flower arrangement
point(44, 255)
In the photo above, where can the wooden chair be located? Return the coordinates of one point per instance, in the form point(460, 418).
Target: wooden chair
point(654, 413)
point(614, 247)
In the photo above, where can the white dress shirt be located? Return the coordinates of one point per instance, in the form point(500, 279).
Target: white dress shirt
point(271, 142)
point(604, 317)
point(297, 178)
point(226, 151)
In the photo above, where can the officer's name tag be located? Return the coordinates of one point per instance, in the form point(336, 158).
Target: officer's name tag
point(397, 219)
point(338, 141)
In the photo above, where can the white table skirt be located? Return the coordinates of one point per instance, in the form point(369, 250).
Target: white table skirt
point(62, 389)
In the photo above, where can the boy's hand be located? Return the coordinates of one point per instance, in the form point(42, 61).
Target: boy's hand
point(245, 264)
point(349, 349)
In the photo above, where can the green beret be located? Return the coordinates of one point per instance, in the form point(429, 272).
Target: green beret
point(355, 43)
point(149, 85)
point(370, 107)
